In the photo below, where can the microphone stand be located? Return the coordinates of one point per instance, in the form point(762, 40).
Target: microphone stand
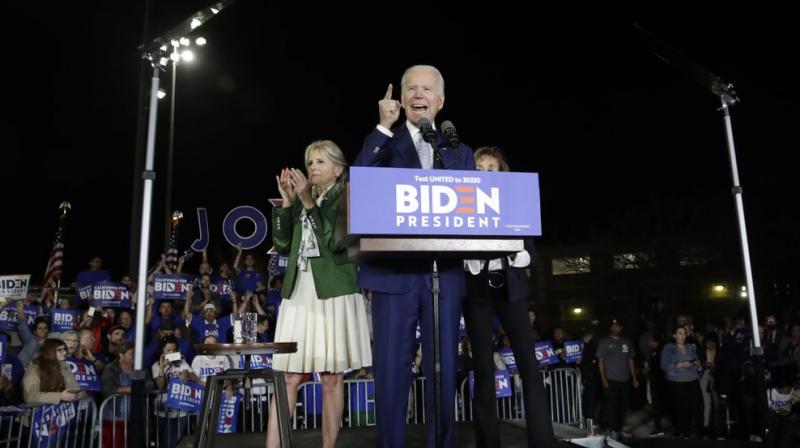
point(438, 164)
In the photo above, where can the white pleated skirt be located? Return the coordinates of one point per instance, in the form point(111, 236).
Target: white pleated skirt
point(332, 335)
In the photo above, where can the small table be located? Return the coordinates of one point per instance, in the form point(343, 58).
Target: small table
point(209, 413)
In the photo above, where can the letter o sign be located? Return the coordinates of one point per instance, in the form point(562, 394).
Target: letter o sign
point(250, 213)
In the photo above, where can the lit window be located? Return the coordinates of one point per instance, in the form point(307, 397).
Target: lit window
point(635, 260)
point(572, 265)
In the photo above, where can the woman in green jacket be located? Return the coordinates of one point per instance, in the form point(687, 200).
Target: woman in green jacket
point(322, 308)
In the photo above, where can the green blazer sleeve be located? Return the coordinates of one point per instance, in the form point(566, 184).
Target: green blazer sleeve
point(334, 274)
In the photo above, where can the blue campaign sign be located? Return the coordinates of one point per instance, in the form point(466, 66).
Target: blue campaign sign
point(401, 201)
point(170, 286)
point(258, 362)
point(86, 374)
point(85, 292)
point(52, 423)
point(228, 413)
point(502, 383)
point(574, 351)
point(222, 289)
point(545, 353)
point(184, 396)
point(63, 320)
point(3, 348)
point(111, 295)
point(508, 358)
point(8, 316)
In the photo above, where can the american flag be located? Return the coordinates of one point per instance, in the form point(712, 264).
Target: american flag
point(172, 250)
point(54, 265)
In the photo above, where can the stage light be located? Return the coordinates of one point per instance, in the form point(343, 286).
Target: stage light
point(185, 41)
point(577, 311)
point(187, 55)
point(200, 41)
point(161, 93)
point(195, 23)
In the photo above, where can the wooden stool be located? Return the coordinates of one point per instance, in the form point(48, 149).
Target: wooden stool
point(209, 413)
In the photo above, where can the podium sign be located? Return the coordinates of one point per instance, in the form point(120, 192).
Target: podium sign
point(416, 202)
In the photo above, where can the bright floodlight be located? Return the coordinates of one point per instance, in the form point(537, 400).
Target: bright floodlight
point(163, 48)
point(577, 311)
point(719, 288)
point(163, 61)
point(175, 56)
point(187, 55)
point(161, 93)
point(195, 23)
point(200, 41)
point(185, 41)
point(175, 43)
point(214, 10)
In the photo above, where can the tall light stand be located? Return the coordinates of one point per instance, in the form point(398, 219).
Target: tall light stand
point(724, 91)
point(170, 154)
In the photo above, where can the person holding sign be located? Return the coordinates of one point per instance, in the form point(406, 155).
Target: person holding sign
point(401, 290)
point(170, 364)
point(323, 309)
point(31, 340)
point(500, 287)
point(49, 379)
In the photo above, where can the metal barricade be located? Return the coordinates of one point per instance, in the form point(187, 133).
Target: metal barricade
point(359, 399)
point(62, 425)
point(564, 391)
point(508, 408)
point(563, 386)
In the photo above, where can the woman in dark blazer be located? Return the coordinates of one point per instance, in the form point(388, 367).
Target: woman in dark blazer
point(500, 287)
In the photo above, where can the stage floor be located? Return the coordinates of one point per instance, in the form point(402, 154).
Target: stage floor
point(512, 435)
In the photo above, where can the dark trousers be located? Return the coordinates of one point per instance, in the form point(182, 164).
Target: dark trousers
point(394, 318)
point(616, 397)
point(687, 402)
point(514, 316)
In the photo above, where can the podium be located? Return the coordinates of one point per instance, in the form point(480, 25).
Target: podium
point(428, 216)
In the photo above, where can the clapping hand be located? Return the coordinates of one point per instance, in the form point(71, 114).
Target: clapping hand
point(285, 188)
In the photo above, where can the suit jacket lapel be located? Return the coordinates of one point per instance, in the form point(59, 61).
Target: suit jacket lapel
point(406, 147)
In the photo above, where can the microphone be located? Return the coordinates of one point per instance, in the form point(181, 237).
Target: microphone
point(426, 128)
point(450, 134)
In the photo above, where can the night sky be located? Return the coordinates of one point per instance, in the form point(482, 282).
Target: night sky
point(616, 134)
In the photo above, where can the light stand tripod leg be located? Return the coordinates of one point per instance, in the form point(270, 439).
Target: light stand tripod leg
point(756, 351)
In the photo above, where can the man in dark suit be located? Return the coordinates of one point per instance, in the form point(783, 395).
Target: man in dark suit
point(402, 288)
